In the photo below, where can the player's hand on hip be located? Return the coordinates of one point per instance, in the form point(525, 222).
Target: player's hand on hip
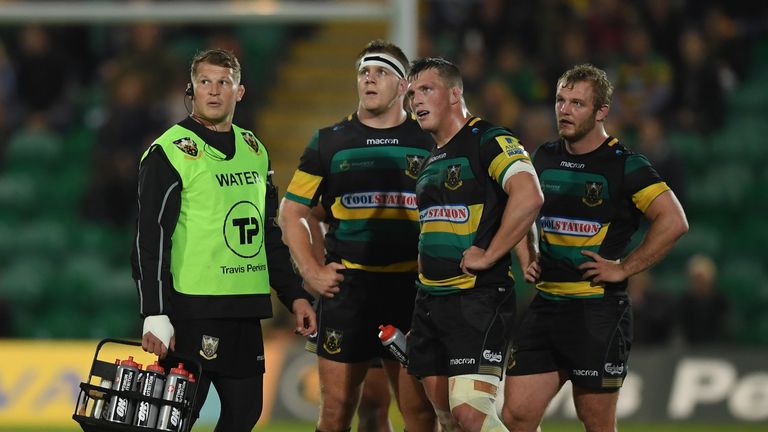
point(532, 272)
point(326, 280)
point(474, 260)
point(601, 269)
point(306, 320)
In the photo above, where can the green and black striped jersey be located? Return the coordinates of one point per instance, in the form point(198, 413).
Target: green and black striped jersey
point(461, 202)
point(365, 179)
point(592, 202)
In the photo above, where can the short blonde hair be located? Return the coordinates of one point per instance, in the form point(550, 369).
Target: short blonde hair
point(703, 265)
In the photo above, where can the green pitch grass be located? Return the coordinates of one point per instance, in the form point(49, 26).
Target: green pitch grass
point(284, 426)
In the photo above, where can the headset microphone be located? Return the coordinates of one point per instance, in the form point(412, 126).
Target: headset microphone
point(190, 91)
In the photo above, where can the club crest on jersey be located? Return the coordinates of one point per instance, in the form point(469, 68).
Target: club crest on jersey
point(209, 346)
point(593, 191)
point(187, 145)
point(251, 140)
point(332, 343)
point(453, 177)
point(413, 165)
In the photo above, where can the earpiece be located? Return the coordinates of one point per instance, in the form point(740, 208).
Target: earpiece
point(190, 91)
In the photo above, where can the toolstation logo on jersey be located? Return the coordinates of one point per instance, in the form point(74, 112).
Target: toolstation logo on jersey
point(380, 200)
point(456, 214)
point(573, 227)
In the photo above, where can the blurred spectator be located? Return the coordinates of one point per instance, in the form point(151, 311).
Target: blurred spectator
point(446, 21)
point(606, 27)
point(7, 78)
point(515, 70)
point(643, 79)
point(498, 105)
point(34, 147)
point(663, 20)
point(698, 100)
point(43, 76)
point(728, 42)
point(703, 308)
point(489, 21)
point(473, 68)
point(572, 50)
point(652, 143)
point(537, 126)
point(144, 56)
point(129, 128)
point(654, 311)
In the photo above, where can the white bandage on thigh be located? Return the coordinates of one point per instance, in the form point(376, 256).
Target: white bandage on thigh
point(160, 326)
point(475, 391)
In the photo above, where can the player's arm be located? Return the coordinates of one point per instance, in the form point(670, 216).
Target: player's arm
point(320, 278)
point(317, 230)
point(159, 203)
point(523, 203)
point(668, 224)
point(526, 251)
point(282, 278)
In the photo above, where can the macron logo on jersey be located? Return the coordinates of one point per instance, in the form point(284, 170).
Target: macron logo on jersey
point(572, 227)
point(455, 214)
point(402, 200)
point(382, 141)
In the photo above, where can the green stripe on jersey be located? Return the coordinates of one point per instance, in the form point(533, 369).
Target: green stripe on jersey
point(570, 253)
point(373, 229)
point(298, 199)
point(444, 245)
point(571, 183)
point(635, 162)
point(367, 158)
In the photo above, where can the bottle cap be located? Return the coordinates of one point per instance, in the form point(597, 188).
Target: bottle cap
point(179, 370)
point(129, 362)
point(155, 367)
point(386, 331)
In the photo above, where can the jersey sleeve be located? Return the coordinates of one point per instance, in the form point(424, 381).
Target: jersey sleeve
point(499, 153)
point(306, 185)
point(642, 182)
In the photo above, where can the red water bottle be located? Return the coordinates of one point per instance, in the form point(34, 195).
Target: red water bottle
point(176, 383)
point(394, 341)
point(121, 407)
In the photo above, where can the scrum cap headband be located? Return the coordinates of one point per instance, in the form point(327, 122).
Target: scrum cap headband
point(383, 60)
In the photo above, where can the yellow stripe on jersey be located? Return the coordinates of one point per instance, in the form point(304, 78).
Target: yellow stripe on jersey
point(399, 267)
point(474, 120)
point(612, 142)
point(462, 281)
point(572, 289)
point(304, 184)
point(644, 197)
point(466, 228)
point(572, 240)
point(343, 213)
point(501, 162)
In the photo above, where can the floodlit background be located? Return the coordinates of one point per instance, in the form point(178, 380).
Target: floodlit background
point(86, 86)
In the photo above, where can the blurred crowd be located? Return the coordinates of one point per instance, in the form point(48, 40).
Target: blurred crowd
point(673, 64)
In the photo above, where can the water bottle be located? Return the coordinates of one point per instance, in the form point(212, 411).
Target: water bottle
point(176, 383)
point(121, 407)
point(394, 341)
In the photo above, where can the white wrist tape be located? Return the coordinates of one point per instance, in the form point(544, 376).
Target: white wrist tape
point(160, 326)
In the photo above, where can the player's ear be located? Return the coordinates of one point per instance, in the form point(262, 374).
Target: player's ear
point(602, 112)
point(240, 92)
point(455, 95)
